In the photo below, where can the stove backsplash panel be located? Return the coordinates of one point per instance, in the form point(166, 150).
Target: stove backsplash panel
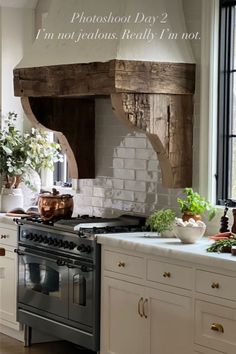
point(128, 174)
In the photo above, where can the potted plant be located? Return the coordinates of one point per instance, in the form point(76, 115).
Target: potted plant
point(161, 221)
point(21, 152)
point(194, 206)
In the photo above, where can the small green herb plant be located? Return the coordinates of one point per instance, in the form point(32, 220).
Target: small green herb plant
point(161, 220)
point(195, 204)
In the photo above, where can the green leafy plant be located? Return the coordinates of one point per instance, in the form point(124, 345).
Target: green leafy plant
point(161, 220)
point(195, 204)
point(20, 152)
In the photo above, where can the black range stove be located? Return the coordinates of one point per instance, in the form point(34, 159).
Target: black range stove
point(59, 275)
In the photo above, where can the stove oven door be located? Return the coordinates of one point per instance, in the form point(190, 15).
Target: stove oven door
point(43, 283)
point(81, 293)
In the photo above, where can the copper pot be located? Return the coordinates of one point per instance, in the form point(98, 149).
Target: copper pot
point(55, 206)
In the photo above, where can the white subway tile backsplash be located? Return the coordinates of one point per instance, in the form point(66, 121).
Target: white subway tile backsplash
point(98, 192)
point(143, 154)
point(118, 163)
point(140, 197)
point(146, 176)
point(135, 164)
point(152, 165)
point(123, 195)
point(119, 183)
point(124, 174)
point(135, 186)
point(125, 153)
point(135, 142)
point(97, 202)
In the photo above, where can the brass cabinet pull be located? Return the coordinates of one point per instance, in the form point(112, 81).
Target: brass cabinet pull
point(215, 285)
point(166, 274)
point(144, 312)
point(2, 251)
point(217, 327)
point(4, 236)
point(121, 264)
point(140, 303)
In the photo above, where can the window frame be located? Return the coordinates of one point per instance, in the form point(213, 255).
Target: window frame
point(225, 99)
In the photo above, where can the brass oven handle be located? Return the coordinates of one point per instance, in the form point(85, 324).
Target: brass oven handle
point(144, 312)
point(217, 327)
point(2, 251)
point(121, 264)
point(139, 307)
point(166, 275)
point(215, 285)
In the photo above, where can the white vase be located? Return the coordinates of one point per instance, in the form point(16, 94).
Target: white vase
point(11, 198)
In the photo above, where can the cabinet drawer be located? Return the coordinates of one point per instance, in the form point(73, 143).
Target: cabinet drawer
point(216, 284)
point(215, 326)
point(170, 274)
point(8, 237)
point(124, 264)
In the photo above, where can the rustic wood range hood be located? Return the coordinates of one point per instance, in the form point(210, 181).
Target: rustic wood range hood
point(151, 97)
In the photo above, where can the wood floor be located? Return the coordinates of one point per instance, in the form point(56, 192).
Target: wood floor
point(12, 346)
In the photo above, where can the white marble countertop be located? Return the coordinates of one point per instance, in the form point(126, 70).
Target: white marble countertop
point(169, 248)
point(7, 220)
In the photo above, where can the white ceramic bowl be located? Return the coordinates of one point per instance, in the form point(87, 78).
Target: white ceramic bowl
point(189, 234)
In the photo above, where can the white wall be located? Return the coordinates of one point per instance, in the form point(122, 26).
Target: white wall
point(16, 36)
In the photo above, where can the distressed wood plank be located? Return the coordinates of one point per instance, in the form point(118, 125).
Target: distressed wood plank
point(105, 78)
point(167, 122)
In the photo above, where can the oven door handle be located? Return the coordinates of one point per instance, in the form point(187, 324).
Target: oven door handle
point(83, 267)
point(59, 262)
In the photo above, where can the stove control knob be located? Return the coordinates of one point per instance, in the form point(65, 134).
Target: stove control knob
point(27, 236)
point(81, 248)
point(36, 238)
point(40, 239)
point(60, 243)
point(50, 241)
point(55, 242)
point(45, 239)
point(31, 236)
point(66, 244)
point(72, 245)
point(88, 249)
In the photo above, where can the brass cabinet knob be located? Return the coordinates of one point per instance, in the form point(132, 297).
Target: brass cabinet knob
point(215, 285)
point(166, 275)
point(121, 264)
point(144, 308)
point(140, 307)
point(217, 327)
point(2, 251)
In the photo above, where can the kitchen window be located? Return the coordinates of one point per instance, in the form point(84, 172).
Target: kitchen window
point(61, 171)
point(226, 168)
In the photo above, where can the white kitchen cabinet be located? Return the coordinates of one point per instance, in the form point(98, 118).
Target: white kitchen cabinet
point(140, 319)
point(8, 281)
point(170, 327)
point(8, 289)
point(215, 311)
point(124, 331)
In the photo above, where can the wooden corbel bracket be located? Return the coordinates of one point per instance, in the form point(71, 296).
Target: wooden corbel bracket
point(167, 122)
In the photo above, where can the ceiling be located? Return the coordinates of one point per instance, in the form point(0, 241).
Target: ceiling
point(28, 4)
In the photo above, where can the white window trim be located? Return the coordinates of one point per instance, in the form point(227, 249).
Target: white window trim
point(208, 99)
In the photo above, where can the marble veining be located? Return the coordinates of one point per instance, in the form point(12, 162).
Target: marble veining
point(170, 248)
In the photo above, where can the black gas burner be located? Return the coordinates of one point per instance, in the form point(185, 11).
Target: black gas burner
point(115, 229)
